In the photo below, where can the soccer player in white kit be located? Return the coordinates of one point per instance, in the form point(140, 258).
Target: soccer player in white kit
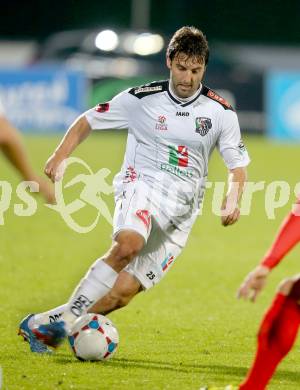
point(173, 127)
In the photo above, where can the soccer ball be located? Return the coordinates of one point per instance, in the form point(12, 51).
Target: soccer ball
point(93, 337)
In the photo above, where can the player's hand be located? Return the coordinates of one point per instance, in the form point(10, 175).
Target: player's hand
point(253, 283)
point(55, 167)
point(230, 213)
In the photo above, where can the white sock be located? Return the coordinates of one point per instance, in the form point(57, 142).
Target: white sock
point(47, 317)
point(97, 282)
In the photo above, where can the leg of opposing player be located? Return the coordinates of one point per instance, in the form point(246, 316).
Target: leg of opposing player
point(277, 335)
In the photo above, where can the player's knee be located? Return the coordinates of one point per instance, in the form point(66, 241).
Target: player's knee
point(128, 246)
point(125, 252)
point(286, 286)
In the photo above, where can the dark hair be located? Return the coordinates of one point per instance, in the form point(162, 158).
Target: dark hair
point(191, 41)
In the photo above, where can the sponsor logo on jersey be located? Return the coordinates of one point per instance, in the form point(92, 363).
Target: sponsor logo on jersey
point(182, 113)
point(218, 98)
point(178, 155)
point(161, 123)
point(178, 161)
point(176, 171)
point(145, 217)
point(148, 89)
point(203, 125)
point(167, 262)
point(102, 107)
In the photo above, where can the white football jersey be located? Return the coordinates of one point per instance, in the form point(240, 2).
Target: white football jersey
point(169, 141)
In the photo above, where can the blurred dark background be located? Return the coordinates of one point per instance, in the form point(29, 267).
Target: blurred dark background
point(59, 57)
point(275, 21)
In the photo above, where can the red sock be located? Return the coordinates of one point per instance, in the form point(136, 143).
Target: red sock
point(287, 237)
point(276, 337)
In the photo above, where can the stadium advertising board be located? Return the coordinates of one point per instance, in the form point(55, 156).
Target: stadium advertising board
point(42, 99)
point(283, 105)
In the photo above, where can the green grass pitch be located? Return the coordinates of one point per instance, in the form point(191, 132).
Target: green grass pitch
point(186, 332)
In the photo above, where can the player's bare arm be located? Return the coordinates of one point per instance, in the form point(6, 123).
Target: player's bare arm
point(12, 146)
point(77, 132)
point(254, 283)
point(287, 237)
point(230, 205)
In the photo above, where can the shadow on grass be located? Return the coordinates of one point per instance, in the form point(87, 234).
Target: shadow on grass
point(215, 369)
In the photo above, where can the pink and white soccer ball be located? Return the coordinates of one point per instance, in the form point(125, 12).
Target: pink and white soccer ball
point(93, 337)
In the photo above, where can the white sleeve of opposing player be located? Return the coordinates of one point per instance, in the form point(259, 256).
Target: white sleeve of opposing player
point(110, 115)
point(230, 144)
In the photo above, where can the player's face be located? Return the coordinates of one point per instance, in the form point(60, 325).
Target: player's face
point(186, 74)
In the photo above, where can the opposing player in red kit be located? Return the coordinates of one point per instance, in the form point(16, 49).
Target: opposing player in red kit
point(279, 327)
point(280, 324)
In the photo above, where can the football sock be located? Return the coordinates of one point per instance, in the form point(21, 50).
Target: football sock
point(276, 337)
point(287, 237)
point(97, 282)
point(47, 317)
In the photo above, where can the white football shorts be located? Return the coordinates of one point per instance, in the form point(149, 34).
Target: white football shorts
point(165, 235)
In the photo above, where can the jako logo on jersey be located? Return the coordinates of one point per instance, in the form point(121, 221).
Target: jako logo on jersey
point(178, 156)
point(144, 216)
point(167, 262)
point(182, 113)
point(161, 123)
point(203, 125)
point(102, 107)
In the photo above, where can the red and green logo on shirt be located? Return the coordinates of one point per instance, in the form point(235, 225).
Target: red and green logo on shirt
point(178, 162)
point(178, 155)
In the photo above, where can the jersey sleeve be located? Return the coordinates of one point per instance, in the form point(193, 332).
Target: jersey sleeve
point(230, 144)
point(110, 115)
